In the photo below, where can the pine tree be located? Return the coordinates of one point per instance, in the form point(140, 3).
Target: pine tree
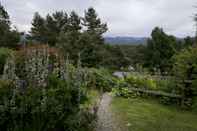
point(47, 30)
point(74, 22)
point(92, 39)
point(69, 38)
point(195, 19)
point(4, 17)
point(8, 38)
point(51, 30)
point(4, 25)
point(38, 30)
point(95, 28)
point(61, 20)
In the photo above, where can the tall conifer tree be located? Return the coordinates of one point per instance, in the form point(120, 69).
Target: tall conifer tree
point(95, 28)
point(38, 30)
point(8, 37)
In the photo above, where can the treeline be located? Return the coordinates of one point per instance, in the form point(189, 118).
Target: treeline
point(8, 37)
point(81, 37)
point(78, 37)
point(157, 54)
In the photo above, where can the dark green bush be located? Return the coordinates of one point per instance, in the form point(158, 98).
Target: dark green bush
point(169, 101)
point(185, 71)
point(194, 106)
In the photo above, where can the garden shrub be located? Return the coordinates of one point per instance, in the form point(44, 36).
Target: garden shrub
point(5, 84)
point(44, 98)
point(125, 92)
point(169, 100)
point(194, 106)
point(141, 82)
point(147, 83)
point(168, 85)
point(55, 108)
point(101, 79)
point(185, 71)
point(4, 53)
point(165, 100)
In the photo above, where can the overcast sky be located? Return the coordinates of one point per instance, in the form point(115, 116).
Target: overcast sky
point(124, 17)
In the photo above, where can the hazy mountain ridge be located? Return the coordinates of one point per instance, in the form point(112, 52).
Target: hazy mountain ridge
point(126, 40)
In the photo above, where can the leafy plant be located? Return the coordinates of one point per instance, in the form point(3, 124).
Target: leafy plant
point(185, 71)
point(4, 54)
point(101, 79)
point(141, 82)
point(55, 107)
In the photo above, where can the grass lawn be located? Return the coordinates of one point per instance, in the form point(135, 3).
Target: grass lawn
point(148, 115)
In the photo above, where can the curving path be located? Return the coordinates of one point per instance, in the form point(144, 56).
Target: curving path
point(106, 120)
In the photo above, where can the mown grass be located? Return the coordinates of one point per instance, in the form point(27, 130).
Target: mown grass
point(148, 115)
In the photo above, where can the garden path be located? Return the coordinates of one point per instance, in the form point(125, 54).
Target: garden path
point(106, 121)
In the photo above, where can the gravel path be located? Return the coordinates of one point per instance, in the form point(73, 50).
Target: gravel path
point(105, 118)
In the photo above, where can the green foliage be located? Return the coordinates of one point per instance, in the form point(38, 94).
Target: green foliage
point(69, 39)
point(114, 57)
point(194, 106)
point(134, 53)
point(92, 39)
point(185, 70)
point(47, 30)
point(5, 84)
point(167, 85)
point(9, 38)
point(195, 19)
point(101, 79)
point(66, 33)
point(93, 23)
point(56, 107)
point(91, 51)
point(159, 50)
point(43, 98)
point(4, 54)
point(93, 96)
point(142, 84)
point(188, 41)
point(125, 92)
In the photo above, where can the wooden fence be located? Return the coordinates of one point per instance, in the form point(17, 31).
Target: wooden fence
point(156, 93)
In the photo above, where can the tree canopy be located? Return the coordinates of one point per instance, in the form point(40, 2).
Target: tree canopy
point(160, 48)
point(9, 38)
point(47, 30)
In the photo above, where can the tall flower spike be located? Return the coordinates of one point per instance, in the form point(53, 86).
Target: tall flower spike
point(79, 77)
point(9, 69)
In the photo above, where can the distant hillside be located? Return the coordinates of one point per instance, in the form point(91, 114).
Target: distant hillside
point(126, 40)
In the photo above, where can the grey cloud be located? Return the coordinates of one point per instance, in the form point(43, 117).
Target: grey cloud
point(124, 17)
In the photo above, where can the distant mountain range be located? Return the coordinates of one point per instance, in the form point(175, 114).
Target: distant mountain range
point(126, 40)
